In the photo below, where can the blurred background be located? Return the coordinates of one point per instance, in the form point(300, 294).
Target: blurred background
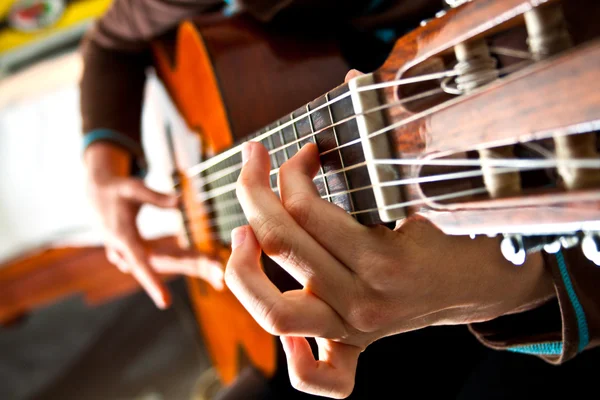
point(71, 325)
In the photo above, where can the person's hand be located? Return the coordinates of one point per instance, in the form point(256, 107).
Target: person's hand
point(359, 283)
point(118, 198)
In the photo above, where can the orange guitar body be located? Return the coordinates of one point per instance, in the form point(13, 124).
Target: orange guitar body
point(228, 77)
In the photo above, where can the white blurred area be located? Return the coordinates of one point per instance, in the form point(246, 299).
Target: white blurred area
point(43, 200)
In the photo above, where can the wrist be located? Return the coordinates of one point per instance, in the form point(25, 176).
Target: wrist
point(537, 284)
point(115, 149)
point(105, 160)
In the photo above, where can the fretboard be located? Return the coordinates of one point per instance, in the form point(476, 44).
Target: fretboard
point(330, 127)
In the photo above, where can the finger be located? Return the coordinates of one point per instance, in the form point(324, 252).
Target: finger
point(331, 376)
point(135, 256)
point(279, 235)
point(297, 312)
point(352, 74)
point(136, 190)
point(327, 223)
point(115, 258)
point(197, 266)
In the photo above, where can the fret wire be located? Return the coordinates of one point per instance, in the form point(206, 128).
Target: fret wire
point(312, 130)
point(274, 157)
point(285, 150)
point(270, 140)
point(297, 141)
point(337, 144)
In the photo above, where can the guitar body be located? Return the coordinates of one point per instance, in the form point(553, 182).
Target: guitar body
point(228, 76)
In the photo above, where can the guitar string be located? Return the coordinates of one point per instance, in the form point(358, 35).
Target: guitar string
point(558, 199)
point(595, 196)
point(381, 131)
point(457, 162)
point(465, 193)
point(531, 165)
point(234, 168)
point(203, 166)
point(229, 170)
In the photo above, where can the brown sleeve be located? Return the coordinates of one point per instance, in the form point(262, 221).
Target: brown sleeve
point(115, 57)
point(560, 329)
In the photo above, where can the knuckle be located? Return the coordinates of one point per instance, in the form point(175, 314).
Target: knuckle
point(299, 380)
point(279, 320)
point(127, 189)
point(231, 276)
point(244, 184)
point(273, 239)
point(299, 207)
point(342, 390)
point(366, 316)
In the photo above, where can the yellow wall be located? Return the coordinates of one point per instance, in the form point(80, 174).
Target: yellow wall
point(76, 12)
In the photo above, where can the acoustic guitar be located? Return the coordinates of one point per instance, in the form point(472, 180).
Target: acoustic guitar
point(482, 120)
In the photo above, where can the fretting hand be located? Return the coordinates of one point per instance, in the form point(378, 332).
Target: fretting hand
point(359, 283)
point(118, 198)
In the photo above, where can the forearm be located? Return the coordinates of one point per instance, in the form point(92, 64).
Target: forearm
point(560, 329)
point(105, 160)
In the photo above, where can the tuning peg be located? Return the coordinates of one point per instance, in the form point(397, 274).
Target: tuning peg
point(591, 247)
point(513, 249)
point(456, 3)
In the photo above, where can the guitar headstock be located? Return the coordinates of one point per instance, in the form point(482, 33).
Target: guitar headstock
point(491, 114)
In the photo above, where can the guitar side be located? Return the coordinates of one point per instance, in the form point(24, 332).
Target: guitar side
point(228, 76)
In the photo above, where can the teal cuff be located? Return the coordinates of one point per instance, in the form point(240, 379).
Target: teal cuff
point(138, 161)
point(556, 348)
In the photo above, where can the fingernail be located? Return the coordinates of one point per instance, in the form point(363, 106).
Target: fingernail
point(160, 303)
point(246, 152)
point(238, 235)
point(162, 300)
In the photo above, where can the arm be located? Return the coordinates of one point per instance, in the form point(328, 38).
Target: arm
point(379, 282)
point(564, 327)
point(115, 57)
point(360, 283)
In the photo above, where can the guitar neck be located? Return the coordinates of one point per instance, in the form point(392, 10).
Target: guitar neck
point(330, 122)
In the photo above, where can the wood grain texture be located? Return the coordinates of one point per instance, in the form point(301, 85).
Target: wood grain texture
point(41, 278)
point(527, 105)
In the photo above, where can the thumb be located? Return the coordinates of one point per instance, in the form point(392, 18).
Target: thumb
point(136, 190)
point(331, 376)
point(353, 73)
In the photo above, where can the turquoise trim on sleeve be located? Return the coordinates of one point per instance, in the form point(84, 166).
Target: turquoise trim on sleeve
point(138, 167)
point(582, 327)
point(547, 349)
point(374, 5)
point(556, 348)
point(111, 136)
point(386, 35)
